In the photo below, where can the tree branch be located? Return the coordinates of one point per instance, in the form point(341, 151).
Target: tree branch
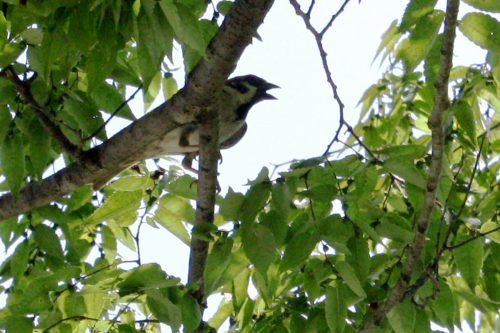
point(205, 204)
point(318, 37)
point(129, 145)
point(441, 103)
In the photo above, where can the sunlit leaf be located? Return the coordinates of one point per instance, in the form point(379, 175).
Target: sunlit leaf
point(416, 47)
point(335, 309)
point(350, 278)
point(299, 248)
point(469, 258)
point(402, 317)
point(486, 5)
point(142, 278)
point(489, 228)
point(163, 309)
point(219, 259)
point(259, 245)
point(415, 10)
point(117, 205)
point(482, 29)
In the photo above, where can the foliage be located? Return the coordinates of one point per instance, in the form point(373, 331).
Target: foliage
point(323, 243)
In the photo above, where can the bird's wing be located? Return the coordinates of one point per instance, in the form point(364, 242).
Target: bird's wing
point(235, 138)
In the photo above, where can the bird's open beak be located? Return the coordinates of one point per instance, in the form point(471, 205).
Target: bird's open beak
point(267, 87)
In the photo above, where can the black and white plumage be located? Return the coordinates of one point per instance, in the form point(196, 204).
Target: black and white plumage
point(239, 95)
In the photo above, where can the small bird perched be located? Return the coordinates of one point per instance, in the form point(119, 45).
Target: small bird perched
point(238, 96)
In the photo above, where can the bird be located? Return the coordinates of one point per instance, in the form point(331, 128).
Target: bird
point(238, 96)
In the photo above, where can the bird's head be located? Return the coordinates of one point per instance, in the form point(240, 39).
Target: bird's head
point(249, 90)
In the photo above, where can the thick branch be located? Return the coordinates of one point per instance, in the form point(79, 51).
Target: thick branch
point(441, 103)
point(129, 145)
point(205, 203)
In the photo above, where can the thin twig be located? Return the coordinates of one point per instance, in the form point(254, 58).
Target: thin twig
point(334, 17)
point(118, 109)
point(479, 235)
point(464, 202)
point(441, 103)
point(318, 38)
point(311, 6)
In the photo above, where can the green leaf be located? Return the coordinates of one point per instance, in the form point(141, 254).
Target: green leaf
point(415, 10)
point(191, 314)
point(12, 161)
point(142, 278)
point(10, 53)
point(108, 243)
point(402, 317)
point(223, 312)
point(230, 206)
point(172, 212)
point(169, 87)
point(444, 306)
point(416, 47)
point(490, 226)
point(405, 169)
point(19, 259)
point(18, 324)
point(348, 274)
point(335, 309)
point(410, 152)
point(163, 309)
point(149, 48)
point(469, 258)
point(108, 99)
point(346, 166)
point(422, 323)
point(131, 183)
point(359, 258)
point(255, 199)
point(184, 24)
point(136, 7)
point(4, 25)
point(5, 117)
point(48, 241)
point(32, 36)
point(81, 113)
point(336, 232)
point(482, 29)
point(299, 248)
point(486, 5)
point(183, 186)
point(389, 40)
point(117, 205)
point(79, 197)
point(259, 245)
point(224, 7)
point(462, 112)
point(391, 229)
point(281, 202)
point(219, 260)
point(74, 305)
point(39, 147)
